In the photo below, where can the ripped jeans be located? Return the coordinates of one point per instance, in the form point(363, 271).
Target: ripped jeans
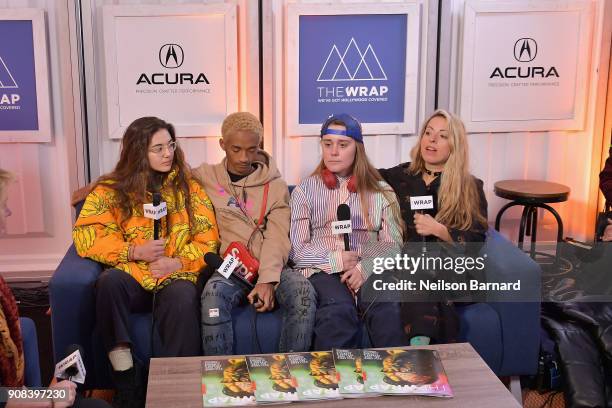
point(295, 297)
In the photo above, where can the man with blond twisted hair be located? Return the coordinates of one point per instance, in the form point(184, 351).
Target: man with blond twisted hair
point(251, 203)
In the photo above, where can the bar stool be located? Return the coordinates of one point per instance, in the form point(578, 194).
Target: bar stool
point(531, 194)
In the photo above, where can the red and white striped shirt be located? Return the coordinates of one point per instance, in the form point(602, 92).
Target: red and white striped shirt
point(313, 209)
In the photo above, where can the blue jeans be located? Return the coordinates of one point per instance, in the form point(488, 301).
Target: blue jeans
point(339, 319)
point(294, 296)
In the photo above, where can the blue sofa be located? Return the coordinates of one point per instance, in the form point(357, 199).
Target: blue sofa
point(505, 333)
point(30, 352)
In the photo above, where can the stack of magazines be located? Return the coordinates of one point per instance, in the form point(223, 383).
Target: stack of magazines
point(322, 375)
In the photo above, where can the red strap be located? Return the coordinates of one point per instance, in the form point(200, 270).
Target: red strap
point(264, 204)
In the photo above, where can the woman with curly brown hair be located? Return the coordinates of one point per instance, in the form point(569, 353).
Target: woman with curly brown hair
point(112, 229)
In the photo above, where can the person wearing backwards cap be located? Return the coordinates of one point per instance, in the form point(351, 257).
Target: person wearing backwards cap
point(345, 176)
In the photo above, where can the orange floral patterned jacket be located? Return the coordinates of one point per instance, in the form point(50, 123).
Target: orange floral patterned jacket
point(99, 235)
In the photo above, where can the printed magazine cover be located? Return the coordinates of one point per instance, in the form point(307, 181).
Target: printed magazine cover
point(272, 379)
point(315, 374)
point(406, 372)
point(226, 382)
point(350, 370)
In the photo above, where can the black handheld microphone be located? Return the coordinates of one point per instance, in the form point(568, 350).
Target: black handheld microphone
point(343, 213)
point(421, 203)
point(213, 260)
point(156, 222)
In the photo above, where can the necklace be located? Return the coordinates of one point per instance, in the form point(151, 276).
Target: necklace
point(433, 173)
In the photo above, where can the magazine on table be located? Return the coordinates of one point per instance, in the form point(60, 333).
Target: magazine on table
point(405, 371)
point(226, 382)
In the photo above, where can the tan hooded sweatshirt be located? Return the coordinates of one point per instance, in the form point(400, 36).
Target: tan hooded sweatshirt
point(271, 246)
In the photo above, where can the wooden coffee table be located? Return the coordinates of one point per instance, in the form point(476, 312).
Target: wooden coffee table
point(177, 382)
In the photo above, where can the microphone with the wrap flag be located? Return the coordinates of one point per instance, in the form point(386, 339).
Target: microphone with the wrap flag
point(227, 268)
point(157, 210)
point(156, 221)
point(71, 367)
point(343, 225)
point(420, 203)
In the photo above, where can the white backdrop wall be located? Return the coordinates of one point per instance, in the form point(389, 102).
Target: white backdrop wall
point(570, 158)
point(39, 230)
point(105, 151)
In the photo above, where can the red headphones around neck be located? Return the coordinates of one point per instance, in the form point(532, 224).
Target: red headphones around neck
point(331, 181)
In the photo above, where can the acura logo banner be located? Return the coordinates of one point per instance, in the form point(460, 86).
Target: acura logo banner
point(165, 68)
point(524, 67)
point(171, 55)
point(525, 49)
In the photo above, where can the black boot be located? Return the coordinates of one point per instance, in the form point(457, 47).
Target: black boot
point(130, 388)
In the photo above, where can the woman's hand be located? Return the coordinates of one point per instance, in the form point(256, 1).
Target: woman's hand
point(164, 266)
point(349, 260)
point(427, 225)
point(353, 279)
point(151, 251)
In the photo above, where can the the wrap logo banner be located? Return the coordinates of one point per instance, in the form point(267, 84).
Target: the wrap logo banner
point(18, 105)
point(171, 56)
point(525, 50)
point(352, 63)
point(336, 69)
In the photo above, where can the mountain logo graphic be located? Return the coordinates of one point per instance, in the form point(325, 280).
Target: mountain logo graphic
point(352, 65)
point(6, 78)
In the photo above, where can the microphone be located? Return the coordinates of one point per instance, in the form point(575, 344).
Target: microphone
point(343, 225)
point(156, 221)
point(71, 367)
point(420, 203)
point(157, 210)
point(228, 267)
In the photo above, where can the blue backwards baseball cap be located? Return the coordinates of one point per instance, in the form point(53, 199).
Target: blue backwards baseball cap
point(353, 127)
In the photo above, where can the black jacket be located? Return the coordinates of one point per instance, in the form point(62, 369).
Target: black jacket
point(406, 185)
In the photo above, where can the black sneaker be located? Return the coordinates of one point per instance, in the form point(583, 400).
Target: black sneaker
point(130, 391)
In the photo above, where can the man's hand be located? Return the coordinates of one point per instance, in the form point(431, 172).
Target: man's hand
point(262, 297)
point(353, 279)
point(607, 235)
point(349, 260)
point(150, 252)
point(164, 266)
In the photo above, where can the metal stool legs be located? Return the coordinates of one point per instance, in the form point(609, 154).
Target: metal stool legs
point(529, 222)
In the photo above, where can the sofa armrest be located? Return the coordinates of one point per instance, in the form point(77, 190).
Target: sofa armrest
point(519, 315)
point(72, 300)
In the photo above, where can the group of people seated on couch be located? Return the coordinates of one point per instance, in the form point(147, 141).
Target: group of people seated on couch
point(242, 204)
